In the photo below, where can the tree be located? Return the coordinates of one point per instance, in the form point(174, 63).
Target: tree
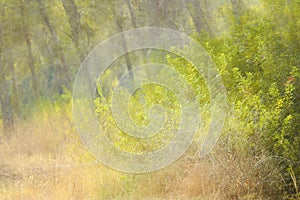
point(75, 26)
point(118, 17)
point(5, 97)
point(56, 49)
point(30, 57)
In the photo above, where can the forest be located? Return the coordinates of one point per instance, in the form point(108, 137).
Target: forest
point(150, 99)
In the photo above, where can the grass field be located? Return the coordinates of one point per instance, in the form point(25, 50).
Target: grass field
point(44, 159)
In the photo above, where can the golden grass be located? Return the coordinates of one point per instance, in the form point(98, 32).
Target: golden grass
point(44, 159)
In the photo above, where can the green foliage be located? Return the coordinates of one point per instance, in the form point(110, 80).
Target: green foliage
point(259, 63)
point(139, 105)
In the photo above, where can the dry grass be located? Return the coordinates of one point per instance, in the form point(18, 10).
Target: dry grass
point(44, 159)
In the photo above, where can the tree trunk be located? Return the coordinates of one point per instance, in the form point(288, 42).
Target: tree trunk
point(30, 58)
point(31, 64)
point(15, 96)
point(75, 25)
point(132, 15)
point(6, 110)
point(119, 23)
point(63, 70)
point(236, 9)
point(144, 55)
point(198, 15)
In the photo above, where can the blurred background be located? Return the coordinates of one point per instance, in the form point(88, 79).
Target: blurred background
point(255, 45)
